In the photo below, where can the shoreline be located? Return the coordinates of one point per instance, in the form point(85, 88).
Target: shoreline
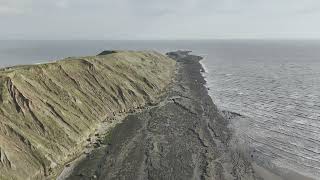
point(183, 137)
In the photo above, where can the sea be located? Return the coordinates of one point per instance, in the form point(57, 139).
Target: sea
point(273, 84)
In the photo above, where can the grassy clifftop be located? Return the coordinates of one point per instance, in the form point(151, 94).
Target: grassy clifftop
point(47, 111)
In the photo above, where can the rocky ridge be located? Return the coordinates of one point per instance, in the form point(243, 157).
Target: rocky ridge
point(48, 111)
point(183, 137)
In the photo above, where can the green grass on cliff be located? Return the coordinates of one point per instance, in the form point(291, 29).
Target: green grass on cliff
point(47, 111)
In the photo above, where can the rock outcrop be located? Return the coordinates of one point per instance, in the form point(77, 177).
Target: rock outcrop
point(47, 111)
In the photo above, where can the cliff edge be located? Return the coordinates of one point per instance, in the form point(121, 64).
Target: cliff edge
point(48, 111)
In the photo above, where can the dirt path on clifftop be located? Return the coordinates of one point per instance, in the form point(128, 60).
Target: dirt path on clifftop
point(183, 138)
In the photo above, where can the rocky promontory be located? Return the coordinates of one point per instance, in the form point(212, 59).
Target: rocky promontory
point(48, 112)
point(182, 137)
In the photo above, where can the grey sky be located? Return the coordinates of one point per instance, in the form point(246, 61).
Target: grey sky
point(159, 19)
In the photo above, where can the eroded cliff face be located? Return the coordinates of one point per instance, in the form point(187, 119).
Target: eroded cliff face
point(47, 111)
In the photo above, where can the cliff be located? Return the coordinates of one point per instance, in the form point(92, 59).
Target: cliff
point(47, 111)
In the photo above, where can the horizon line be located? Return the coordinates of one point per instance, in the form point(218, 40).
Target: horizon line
point(165, 39)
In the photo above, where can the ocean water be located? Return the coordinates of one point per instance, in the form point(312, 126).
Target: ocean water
point(274, 85)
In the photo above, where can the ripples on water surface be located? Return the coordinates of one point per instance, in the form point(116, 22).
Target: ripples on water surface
point(276, 84)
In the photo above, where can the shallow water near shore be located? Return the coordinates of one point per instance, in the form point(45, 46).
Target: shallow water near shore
point(274, 85)
point(276, 88)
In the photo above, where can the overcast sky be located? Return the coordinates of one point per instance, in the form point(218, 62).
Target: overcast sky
point(159, 19)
